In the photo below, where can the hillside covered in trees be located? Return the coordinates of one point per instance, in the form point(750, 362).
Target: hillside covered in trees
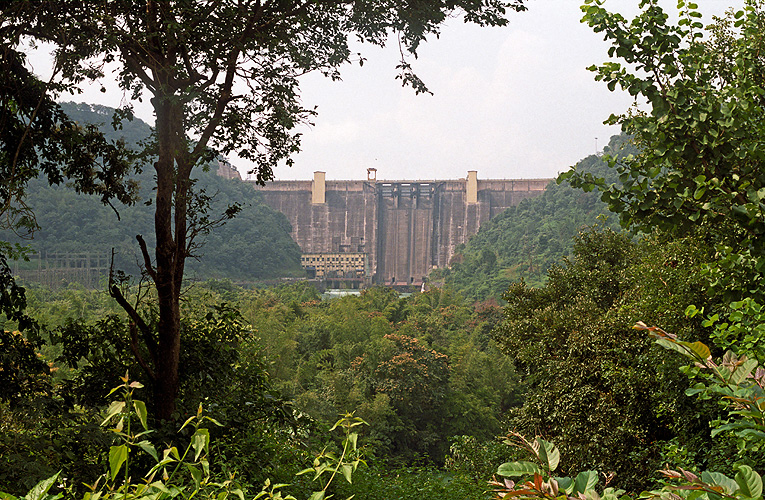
point(524, 241)
point(256, 244)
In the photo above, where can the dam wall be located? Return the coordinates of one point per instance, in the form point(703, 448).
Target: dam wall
point(404, 228)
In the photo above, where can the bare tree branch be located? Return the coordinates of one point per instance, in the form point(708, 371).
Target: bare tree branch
point(146, 257)
point(136, 318)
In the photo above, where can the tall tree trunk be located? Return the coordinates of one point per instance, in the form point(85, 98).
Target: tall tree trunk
point(170, 212)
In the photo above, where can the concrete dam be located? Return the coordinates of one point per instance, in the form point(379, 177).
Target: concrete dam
point(388, 232)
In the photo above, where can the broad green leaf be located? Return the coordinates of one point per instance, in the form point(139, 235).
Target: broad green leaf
point(565, 484)
point(200, 442)
point(697, 388)
point(114, 409)
point(149, 448)
point(348, 473)
point(749, 482)
point(513, 469)
point(729, 485)
point(117, 457)
point(585, 481)
point(40, 490)
point(140, 410)
point(698, 348)
point(742, 371)
point(174, 491)
point(549, 454)
point(353, 439)
point(196, 474)
point(317, 495)
point(674, 346)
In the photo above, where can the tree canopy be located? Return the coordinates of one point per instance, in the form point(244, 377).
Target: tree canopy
point(701, 135)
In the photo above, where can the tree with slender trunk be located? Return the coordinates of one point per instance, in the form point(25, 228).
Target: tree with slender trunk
point(223, 77)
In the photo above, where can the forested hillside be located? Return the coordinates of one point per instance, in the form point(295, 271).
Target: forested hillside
point(524, 241)
point(256, 244)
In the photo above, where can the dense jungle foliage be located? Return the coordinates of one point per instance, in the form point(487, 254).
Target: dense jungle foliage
point(256, 244)
point(276, 367)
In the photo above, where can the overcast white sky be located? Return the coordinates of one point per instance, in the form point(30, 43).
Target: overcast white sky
point(513, 102)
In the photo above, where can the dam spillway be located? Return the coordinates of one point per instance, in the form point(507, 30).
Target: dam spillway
point(403, 229)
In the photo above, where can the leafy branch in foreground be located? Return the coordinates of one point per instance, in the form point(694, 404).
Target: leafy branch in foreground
point(186, 473)
point(328, 463)
point(701, 136)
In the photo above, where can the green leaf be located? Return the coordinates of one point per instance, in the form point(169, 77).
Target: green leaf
point(353, 439)
point(140, 410)
point(549, 454)
point(317, 495)
point(200, 442)
point(674, 346)
point(160, 486)
point(114, 409)
point(565, 484)
point(196, 474)
point(585, 481)
point(742, 371)
point(348, 473)
point(729, 485)
point(149, 448)
point(40, 490)
point(117, 457)
point(513, 469)
point(749, 482)
point(698, 348)
point(188, 421)
point(693, 350)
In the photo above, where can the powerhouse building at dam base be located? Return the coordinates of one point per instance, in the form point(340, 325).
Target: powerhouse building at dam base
point(357, 233)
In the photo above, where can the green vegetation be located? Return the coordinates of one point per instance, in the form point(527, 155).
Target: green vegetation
point(419, 369)
point(524, 241)
point(594, 385)
point(635, 355)
point(696, 183)
point(223, 78)
point(275, 368)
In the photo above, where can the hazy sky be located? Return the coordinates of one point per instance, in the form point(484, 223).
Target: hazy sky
point(513, 102)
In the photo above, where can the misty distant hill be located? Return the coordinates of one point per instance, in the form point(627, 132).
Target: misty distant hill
point(255, 245)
